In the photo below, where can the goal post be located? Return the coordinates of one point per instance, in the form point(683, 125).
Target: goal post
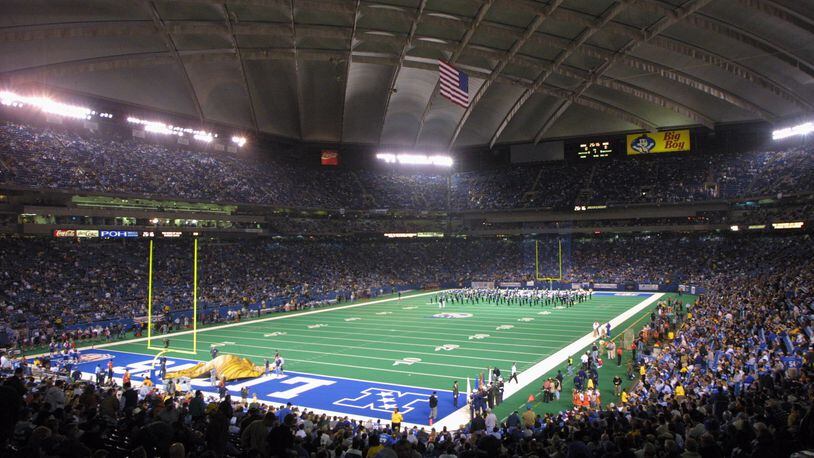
point(548, 278)
point(150, 323)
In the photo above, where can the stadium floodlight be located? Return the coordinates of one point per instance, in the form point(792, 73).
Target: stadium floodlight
point(159, 127)
point(204, 137)
point(239, 141)
point(802, 129)
point(47, 105)
point(415, 159)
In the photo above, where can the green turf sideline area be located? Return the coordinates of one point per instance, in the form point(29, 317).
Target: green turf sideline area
point(101, 342)
point(635, 323)
point(406, 342)
point(400, 342)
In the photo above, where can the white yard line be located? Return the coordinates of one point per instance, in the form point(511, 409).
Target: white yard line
point(244, 323)
point(463, 337)
point(356, 347)
point(525, 378)
point(298, 348)
point(459, 417)
point(295, 336)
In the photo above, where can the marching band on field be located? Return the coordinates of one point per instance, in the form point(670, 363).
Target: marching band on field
point(515, 296)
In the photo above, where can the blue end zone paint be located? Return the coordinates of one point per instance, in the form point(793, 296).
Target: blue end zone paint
point(320, 392)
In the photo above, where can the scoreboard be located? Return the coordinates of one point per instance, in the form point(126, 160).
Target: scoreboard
point(592, 149)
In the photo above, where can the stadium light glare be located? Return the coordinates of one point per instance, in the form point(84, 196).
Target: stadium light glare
point(159, 127)
point(239, 141)
point(204, 137)
point(801, 129)
point(46, 105)
point(415, 159)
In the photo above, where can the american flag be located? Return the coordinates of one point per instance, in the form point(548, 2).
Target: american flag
point(454, 84)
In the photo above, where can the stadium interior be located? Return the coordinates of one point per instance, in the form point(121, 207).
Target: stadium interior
point(406, 228)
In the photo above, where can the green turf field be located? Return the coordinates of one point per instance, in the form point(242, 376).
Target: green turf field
point(367, 341)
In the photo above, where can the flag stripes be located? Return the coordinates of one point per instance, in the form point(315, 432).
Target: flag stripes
point(454, 84)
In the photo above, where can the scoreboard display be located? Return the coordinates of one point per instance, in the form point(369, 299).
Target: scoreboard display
point(592, 149)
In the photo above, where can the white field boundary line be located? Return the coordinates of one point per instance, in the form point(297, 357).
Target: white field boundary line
point(160, 385)
point(244, 323)
point(525, 378)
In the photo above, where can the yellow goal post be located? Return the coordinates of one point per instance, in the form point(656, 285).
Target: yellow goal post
point(164, 350)
point(537, 262)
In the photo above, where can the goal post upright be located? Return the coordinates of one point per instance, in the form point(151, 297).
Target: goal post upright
point(150, 296)
point(150, 345)
point(195, 296)
point(537, 262)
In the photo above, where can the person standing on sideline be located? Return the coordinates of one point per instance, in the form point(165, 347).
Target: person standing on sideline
point(395, 421)
point(455, 393)
point(110, 371)
point(514, 373)
point(267, 367)
point(433, 407)
point(611, 348)
point(617, 385)
point(596, 329)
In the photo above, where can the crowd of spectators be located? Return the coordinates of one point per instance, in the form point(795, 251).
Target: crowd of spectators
point(47, 285)
point(729, 378)
point(61, 282)
point(37, 157)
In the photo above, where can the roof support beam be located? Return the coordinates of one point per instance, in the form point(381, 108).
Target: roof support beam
point(159, 23)
point(589, 30)
point(531, 29)
point(641, 93)
point(296, 53)
point(242, 64)
point(470, 31)
point(348, 61)
point(141, 60)
point(282, 30)
point(652, 68)
point(660, 26)
point(781, 12)
point(735, 33)
point(692, 51)
point(394, 79)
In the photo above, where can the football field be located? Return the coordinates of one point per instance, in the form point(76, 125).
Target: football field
point(365, 358)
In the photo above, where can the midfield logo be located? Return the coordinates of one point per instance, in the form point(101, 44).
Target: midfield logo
point(452, 315)
point(384, 400)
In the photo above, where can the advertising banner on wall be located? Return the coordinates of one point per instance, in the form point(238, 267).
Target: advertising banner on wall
point(605, 286)
point(510, 284)
point(670, 141)
point(329, 157)
point(648, 287)
point(483, 285)
point(118, 234)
